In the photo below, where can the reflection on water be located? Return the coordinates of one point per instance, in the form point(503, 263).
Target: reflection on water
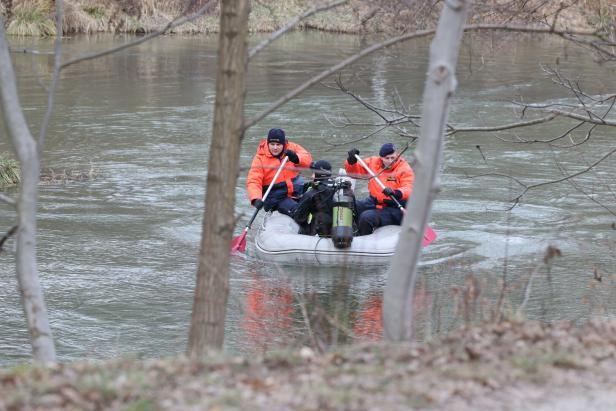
point(118, 254)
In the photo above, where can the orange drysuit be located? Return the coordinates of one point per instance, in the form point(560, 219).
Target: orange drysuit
point(399, 176)
point(264, 167)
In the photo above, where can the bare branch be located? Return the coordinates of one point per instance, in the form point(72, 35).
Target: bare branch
point(171, 25)
point(291, 24)
point(395, 40)
point(500, 175)
point(7, 199)
point(527, 188)
point(25, 146)
point(452, 130)
point(8, 235)
point(581, 190)
point(326, 73)
point(591, 118)
point(59, 4)
point(355, 140)
point(550, 253)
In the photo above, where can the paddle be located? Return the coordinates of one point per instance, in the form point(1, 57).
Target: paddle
point(429, 234)
point(239, 243)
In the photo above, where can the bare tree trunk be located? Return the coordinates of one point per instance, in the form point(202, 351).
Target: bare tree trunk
point(209, 308)
point(43, 349)
point(440, 85)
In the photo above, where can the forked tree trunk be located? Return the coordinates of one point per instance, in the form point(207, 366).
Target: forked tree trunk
point(440, 86)
point(33, 302)
point(212, 290)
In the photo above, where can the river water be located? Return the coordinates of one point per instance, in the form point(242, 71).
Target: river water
point(118, 253)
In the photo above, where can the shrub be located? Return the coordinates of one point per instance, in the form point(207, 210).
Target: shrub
point(9, 171)
point(32, 18)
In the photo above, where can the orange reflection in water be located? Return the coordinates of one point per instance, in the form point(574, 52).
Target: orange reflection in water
point(369, 323)
point(268, 314)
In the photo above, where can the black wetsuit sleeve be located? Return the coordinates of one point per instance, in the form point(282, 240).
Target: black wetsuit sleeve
point(304, 208)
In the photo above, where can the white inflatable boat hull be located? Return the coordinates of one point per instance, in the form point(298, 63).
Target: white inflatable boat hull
point(277, 241)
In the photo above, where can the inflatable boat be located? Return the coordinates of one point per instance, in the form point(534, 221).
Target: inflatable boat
point(278, 241)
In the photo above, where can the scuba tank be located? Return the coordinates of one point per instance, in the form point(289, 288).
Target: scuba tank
point(342, 218)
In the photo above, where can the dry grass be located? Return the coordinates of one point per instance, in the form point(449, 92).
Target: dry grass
point(32, 18)
point(84, 18)
point(35, 17)
point(50, 176)
point(9, 171)
point(509, 365)
point(10, 174)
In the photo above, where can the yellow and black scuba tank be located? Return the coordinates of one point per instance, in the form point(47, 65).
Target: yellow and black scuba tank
point(342, 216)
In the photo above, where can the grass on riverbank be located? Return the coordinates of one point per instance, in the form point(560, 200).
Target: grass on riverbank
point(515, 364)
point(32, 18)
point(35, 17)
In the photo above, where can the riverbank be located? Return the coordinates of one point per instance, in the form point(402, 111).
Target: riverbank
point(507, 366)
point(35, 17)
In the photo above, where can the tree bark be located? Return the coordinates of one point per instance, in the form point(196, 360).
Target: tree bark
point(212, 289)
point(43, 349)
point(440, 85)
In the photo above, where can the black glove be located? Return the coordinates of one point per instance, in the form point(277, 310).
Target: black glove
point(398, 194)
point(257, 203)
point(351, 158)
point(292, 156)
point(388, 192)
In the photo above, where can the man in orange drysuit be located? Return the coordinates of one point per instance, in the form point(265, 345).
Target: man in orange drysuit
point(266, 163)
point(396, 174)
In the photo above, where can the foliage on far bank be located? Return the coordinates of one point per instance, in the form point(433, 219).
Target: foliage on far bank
point(35, 17)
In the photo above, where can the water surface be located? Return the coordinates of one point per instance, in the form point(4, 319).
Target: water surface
point(118, 254)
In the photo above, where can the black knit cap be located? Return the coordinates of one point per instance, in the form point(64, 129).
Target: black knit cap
point(276, 135)
point(386, 149)
point(322, 169)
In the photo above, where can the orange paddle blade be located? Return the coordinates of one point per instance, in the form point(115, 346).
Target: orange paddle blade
point(239, 243)
point(429, 236)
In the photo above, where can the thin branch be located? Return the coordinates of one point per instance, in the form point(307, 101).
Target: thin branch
point(355, 140)
point(395, 40)
point(8, 235)
point(567, 132)
point(589, 119)
point(51, 92)
point(499, 175)
point(171, 25)
point(587, 169)
point(7, 199)
point(581, 190)
point(291, 24)
point(541, 120)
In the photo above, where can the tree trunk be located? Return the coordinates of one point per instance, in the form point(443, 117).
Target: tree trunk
point(440, 85)
point(43, 349)
point(212, 290)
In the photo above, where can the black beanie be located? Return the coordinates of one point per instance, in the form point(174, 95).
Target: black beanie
point(276, 135)
point(322, 169)
point(386, 149)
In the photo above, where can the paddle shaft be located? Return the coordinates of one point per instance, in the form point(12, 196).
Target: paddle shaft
point(429, 234)
point(267, 191)
point(364, 165)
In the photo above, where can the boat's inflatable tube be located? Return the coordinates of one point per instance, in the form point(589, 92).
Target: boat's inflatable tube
point(278, 241)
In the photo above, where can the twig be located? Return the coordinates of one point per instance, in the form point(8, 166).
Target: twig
point(171, 25)
point(509, 126)
point(9, 233)
point(51, 92)
point(7, 199)
point(395, 40)
point(316, 9)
